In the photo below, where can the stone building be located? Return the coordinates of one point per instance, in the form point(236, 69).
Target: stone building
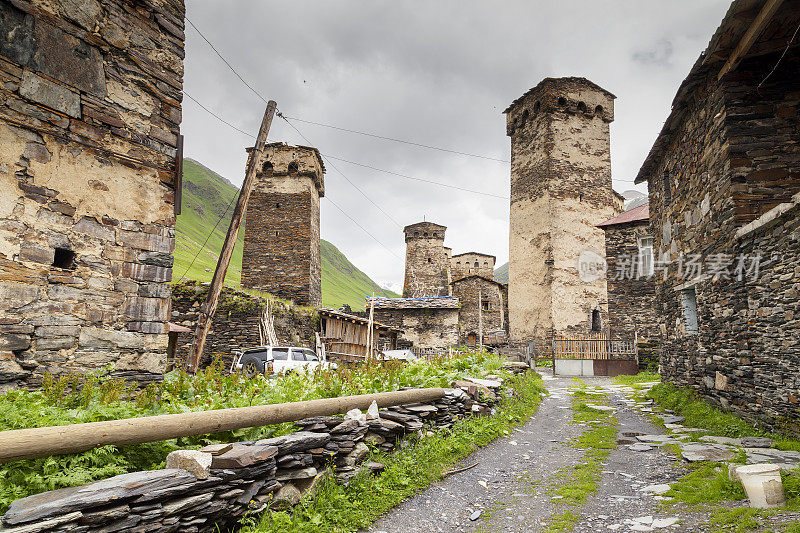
point(281, 237)
point(423, 322)
point(560, 191)
point(472, 263)
point(631, 286)
point(427, 262)
point(90, 119)
point(482, 302)
point(724, 177)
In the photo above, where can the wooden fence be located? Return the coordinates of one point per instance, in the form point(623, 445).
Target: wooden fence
point(594, 347)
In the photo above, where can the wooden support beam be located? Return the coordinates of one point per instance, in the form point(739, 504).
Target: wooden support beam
point(31, 443)
point(750, 36)
point(210, 306)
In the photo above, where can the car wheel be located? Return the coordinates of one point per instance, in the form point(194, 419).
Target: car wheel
point(250, 369)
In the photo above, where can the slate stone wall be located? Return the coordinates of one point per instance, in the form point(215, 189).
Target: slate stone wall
point(242, 477)
point(427, 263)
point(235, 324)
point(630, 296)
point(281, 253)
point(422, 328)
point(90, 113)
point(733, 156)
point(465, 265)
point(467, 290)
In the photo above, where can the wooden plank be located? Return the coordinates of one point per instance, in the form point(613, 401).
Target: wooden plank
point(210, 306)
point(750, 36)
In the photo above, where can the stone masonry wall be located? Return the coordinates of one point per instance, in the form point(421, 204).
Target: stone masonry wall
point(422, 328)
point(212, 489)
point(467, 290)
point(235, 324)
point(630, 297)
point(733, 156)
point(282, 231)
point(90, 113)
point(560, 190)
point(465, 264)
point(427, 264)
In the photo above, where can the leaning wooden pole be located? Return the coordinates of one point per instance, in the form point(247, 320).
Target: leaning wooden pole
point(31, 443)
point(210, 306)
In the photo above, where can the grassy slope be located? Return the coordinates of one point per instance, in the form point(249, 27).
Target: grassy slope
point(501, 273)
point(206, 195)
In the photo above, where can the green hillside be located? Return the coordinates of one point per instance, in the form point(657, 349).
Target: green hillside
point(501, 273)
point(206, 195)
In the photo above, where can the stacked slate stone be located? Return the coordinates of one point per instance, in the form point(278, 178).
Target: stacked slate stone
point(213, 488)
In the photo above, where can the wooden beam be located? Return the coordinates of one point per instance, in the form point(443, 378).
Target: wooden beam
point(178, 182)
point(46, 441)
point(750, 36)
point(210, 306)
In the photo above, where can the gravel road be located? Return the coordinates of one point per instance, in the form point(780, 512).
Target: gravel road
point(509, 486)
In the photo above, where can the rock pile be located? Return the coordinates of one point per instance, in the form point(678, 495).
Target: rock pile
point(214, 487)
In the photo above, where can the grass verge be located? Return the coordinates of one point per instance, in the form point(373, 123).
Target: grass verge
point(707, 487)
point(338, 509)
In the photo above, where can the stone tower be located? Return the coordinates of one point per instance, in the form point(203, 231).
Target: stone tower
point(427, 261)
point(281, 239)
point(560, 191)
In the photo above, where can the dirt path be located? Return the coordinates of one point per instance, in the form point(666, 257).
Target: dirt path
point(511, 484)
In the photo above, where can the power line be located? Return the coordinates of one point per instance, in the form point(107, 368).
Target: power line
point(226, 61)
point(406, 176)
point(210, 233)
point(345, 213)
point(207, 110)
point(356, 187)
point(402, 141)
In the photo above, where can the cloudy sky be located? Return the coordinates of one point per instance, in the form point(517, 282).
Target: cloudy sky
point(437, 73)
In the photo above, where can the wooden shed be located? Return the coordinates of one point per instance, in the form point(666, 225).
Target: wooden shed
point(347, 337)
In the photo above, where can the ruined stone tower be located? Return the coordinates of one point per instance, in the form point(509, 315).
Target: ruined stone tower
point(560, 191)
point(427, 261)
point(281, 239)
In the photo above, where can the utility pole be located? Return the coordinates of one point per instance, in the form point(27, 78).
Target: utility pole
point(210, 306)
point(480, 320)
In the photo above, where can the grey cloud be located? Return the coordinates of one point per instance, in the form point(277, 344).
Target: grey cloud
point(438, 73)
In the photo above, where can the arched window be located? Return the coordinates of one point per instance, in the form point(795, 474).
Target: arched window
point(266, 167)
point(476, 265)
point(562, 102)
point(292, 167)
point(536, 107)
point(425, 234)
point(277, 205)
point(582, 107)
point(430, 260)
point(598, 110)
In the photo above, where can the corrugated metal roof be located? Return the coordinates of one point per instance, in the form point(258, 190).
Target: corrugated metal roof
point(632, 215)
point(441, 302)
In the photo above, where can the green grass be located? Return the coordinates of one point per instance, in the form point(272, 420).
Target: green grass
point(73, 399)
point(641, 377)
point(707, 486)
point(206, 195)
point(337, 508)
point(574, 484)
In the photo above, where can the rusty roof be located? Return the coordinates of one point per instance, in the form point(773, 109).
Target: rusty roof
point(439, 302)
point(637, 214)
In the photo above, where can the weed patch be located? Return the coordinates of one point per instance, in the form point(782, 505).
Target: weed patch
point(339, 508)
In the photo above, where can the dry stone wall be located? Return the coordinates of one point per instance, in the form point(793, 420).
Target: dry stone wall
point(731, 156)
point(474, 292)
point(282, 253)
point(90, 113)
point(427, 263)
point(235, 324)
point(214, 488)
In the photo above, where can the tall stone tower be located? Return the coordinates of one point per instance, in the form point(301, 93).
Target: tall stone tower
point(560, 191)
point(427, 261)
point(281, 239)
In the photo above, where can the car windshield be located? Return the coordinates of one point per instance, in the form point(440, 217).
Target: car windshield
point(280, 354)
